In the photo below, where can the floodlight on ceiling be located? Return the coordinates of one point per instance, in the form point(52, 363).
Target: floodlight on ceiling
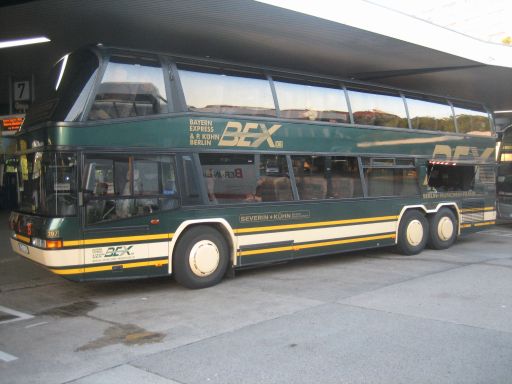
point(62, 69)
point(19, 42)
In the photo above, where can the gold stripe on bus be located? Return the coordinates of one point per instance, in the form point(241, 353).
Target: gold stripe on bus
point(484, 223)
point(265, 250)
point(480, 224)
point(477, 209)
point(103, 268)
point(73, 243)
point(315, 245)
point(312, 225)
point(23, 238)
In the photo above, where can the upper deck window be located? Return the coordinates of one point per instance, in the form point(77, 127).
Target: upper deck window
point(383, 110)
point(209, 90)
point(472, 121)
point(130, 88)
point(309, 102)
point(429, 115)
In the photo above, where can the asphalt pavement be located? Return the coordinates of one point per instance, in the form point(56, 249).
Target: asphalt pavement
point(363, 317)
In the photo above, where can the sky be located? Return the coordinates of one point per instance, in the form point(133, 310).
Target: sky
point(474, 29)
point(486, 20)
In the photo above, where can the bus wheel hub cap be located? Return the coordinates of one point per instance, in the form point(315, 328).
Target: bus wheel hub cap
point(204, 258)
point(445, 229)
point(414, 232)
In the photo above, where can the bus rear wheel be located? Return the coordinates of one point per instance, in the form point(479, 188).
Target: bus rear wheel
point(443, 229)
point(201, 258)
point(412, 233)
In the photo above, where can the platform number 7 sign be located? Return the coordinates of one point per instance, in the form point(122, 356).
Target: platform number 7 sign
point(21, 90)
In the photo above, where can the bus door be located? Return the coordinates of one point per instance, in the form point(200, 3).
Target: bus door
point(124, 197)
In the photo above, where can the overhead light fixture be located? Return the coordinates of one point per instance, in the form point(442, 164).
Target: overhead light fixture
point(62, 69)
point(507, 111)
point(19, 42)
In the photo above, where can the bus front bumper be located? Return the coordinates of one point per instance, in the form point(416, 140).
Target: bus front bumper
point(60, 262)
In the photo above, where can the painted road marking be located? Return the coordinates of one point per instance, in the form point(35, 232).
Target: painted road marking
point(36, 324)
point(6, 357)
point(18, 315)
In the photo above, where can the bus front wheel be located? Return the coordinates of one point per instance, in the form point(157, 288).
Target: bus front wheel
point(443, 229)
point(201, 258)
point(412, 233)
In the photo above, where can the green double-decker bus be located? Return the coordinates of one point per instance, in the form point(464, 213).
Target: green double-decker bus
point(136, 164)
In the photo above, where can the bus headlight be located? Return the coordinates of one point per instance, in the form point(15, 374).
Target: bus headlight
point(40, 243)
point(46, 244)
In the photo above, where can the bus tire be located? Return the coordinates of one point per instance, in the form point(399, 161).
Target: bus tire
point(412, 233)
point(442, 229)
point(201, 257)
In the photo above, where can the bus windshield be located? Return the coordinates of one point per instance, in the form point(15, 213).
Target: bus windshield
point(47, 183)
point(63, 95)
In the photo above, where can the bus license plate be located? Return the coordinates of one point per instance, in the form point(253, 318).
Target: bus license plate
point(23, 248)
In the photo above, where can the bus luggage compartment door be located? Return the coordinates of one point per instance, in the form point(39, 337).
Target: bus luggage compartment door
point(265, 253)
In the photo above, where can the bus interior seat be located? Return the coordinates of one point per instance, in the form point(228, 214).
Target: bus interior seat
point(283, 189)
point(125, 109)
point(102, 110)
point(266, 188)
point(314, 188)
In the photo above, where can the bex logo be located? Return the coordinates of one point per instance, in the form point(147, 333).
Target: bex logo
point(119, 251)
point(251, 135)
point(460, 152)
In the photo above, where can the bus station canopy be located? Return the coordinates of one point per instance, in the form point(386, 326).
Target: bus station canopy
point(243, 31)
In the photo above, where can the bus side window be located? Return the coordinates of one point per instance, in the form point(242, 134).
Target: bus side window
point(215, 90)
point(389, 177)
point(154, 184)
point(231, 178)
point(122, 186)
point(326, 177)
point(310, 101)
point(274, 182)
point(472, 121)
point(343, 179)
point(310, 176)
point(430, 115)
point(228, 178)
point(189, 187)
point(385, 109)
